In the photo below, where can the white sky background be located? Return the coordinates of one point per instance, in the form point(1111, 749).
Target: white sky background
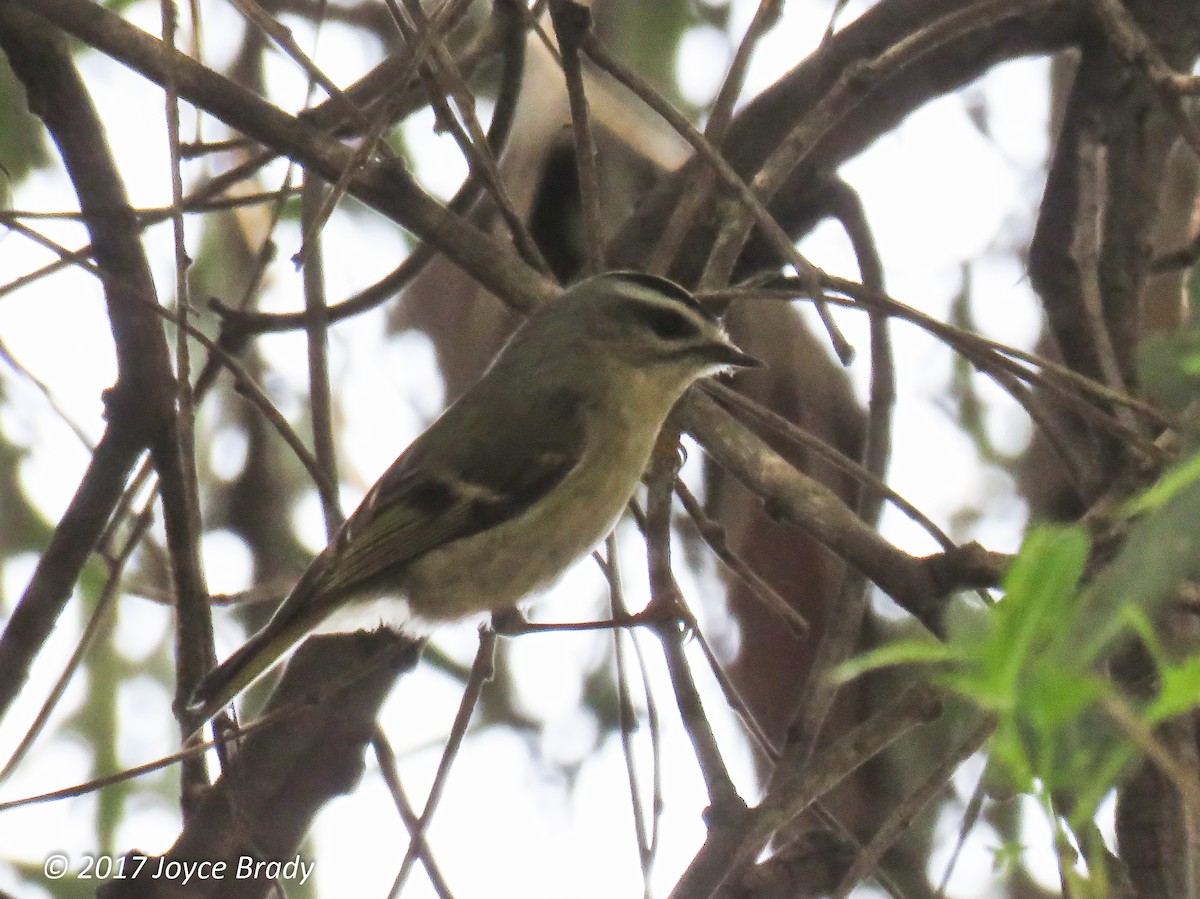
point(936, 192)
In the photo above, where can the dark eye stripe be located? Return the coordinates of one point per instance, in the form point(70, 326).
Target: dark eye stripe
point(666, 323)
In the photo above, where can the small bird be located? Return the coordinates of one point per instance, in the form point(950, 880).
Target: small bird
point(522, 475)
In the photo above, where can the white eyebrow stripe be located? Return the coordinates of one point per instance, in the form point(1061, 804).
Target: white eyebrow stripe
point(664, 292)
point(703, 321)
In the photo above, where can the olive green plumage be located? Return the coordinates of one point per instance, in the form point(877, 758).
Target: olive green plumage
point(521, 476)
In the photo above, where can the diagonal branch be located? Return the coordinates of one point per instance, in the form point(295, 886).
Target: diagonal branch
point(140, 407)
point(918, 584)
point(757, 130)
point(384, 186)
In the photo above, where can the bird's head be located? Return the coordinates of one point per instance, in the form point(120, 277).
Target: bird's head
point(642, 321)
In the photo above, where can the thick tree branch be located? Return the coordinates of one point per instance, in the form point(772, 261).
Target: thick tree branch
point(1102, 192)
point(762, 125)
point(919, 585)
point(282, 774)
point(140, 405)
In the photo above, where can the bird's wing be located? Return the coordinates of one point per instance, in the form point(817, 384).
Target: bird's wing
point(441, 489)
point(435, 494)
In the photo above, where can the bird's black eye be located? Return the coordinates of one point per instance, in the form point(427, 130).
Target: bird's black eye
point(666, 323)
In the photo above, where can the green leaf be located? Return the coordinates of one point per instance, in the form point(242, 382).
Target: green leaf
point(902, 652)
point(1161, 552)
point(1169, 366)
point(1174, 480)
point(1179, 690)
point(1039, 594)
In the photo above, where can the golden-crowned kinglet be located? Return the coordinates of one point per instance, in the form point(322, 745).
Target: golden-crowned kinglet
point(521, 476)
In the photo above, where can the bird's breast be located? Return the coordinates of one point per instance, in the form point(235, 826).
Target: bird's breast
point(496, 568)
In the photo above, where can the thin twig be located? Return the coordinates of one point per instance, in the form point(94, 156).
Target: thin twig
point(372, 142)
point(443, 83)
point(1182, 778)
point(204, 199)
point(245, 385)
point(282, 37)
point(104, 605)
point(628, 718)
point(901, 817)
point(192, 750)
point(755, 210)
point(691, 201)
point(721, 114)
point(975, 347)
point(481, 673)
point(388, 187)
point(847, 611)
point(918, 584)
point(736, 702)
point(195, 651)
point(664, 592)
point(971, 816)
point(245, 322)
point(713, 536)
point(317, 333)
point(803, 440)
point(572, 26)
point(43, 388)
point(854, 85)
point(731, 849)
point(386, 758)
point(1087, 248)
point(66, 257)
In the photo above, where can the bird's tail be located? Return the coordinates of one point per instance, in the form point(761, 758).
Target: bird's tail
point(250, 661)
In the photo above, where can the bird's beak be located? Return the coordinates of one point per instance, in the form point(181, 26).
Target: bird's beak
point(728, 354)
